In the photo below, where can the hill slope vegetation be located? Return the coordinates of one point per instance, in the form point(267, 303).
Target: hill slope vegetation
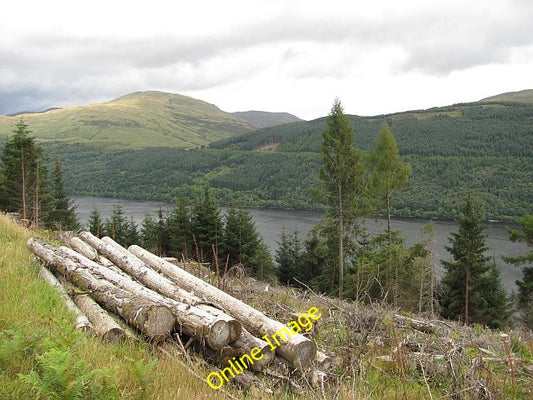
point(135, 120)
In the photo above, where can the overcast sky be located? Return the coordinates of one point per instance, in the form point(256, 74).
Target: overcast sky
point(377, 56)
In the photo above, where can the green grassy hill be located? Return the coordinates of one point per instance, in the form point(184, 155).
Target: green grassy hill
point(523, 96)
point(134, 121)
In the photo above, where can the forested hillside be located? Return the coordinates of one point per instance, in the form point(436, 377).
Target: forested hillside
point(486, 148)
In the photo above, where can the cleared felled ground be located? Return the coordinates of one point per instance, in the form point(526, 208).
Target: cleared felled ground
point(375, 352)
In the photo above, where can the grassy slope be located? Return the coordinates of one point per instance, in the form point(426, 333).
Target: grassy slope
point(136, 120)
point(28, 305)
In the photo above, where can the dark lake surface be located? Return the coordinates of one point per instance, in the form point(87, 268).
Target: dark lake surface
point(271, 222)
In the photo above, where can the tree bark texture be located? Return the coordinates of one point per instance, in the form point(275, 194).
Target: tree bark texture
point(155, 320)
point(192, 321)
point(133, 266)
point(298, 350)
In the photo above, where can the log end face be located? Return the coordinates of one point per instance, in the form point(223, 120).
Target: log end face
point(159, 323)
point(304, 354)
point(219, 335)
point(115, 335)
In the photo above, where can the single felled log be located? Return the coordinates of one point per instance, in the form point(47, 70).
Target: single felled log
point(297, 349)
point(155, 320)
point(132, 265)
point(246, 342)
point(104, 325)
point(191, 320)
point(82, 322)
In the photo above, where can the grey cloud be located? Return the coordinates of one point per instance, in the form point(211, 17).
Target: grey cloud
point(52, 69)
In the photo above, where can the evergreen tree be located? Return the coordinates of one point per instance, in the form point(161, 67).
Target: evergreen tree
point(148, 234)
point(243, 245)
point(95, 222)
point(61, 211)
point(119, 228)
point(388, 172)
point(342, 177)
point(180, 230)
point(131, 233)
point(471, 288)
point(525, 286)
point(23, 174)
point(288, 258)
point(206, 226)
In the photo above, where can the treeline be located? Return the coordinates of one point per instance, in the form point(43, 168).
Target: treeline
point(29, 189)
point(194, 230)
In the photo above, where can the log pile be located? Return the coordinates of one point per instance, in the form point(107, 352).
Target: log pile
point(161, 301)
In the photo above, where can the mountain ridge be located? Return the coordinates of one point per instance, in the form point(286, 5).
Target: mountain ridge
point(135, 120)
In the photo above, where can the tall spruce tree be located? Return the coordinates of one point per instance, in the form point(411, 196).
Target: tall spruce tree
point(206, 226)
point(61, 210)
point(472, 288)
point(342, 177)
point(23, 174)
point(242, 244)
point(180, 230)
point(388, 175)
point(289, 258)
point(96, 225)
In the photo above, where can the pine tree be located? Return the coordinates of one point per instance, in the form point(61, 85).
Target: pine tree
point(289, 257)
point(342, 177)
point(388, 172)
point(243, 245)
point(61, 210)
point(119, 228)
point(471, 288)
point(148, 234)
point(95, 222)
point(23, 174)
point(206, 226)
point(180, 230)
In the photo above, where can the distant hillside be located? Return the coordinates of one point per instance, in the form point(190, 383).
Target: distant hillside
point(468, 129)
point(524, 96)
point(263, 119)
point(137, 120)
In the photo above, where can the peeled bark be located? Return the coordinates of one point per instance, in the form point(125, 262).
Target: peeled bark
point(155, 320)
point(82, 322)
point(132, 265)
point(191, 320)
point(298, 350)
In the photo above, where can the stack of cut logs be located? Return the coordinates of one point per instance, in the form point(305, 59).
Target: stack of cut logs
point(159, 299)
